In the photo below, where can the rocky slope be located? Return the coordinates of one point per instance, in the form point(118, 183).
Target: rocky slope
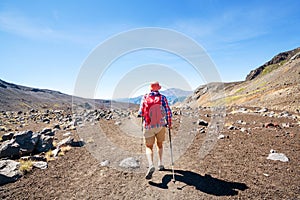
point(276, 61)
point(275, 85)
point(16, 98)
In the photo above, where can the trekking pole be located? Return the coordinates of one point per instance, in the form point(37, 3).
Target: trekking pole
point(172, 162)
point(142, 135)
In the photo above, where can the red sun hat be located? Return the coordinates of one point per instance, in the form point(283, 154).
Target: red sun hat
point(155, 86)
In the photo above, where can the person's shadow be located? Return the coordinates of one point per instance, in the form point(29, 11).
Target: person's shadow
point(206, 183)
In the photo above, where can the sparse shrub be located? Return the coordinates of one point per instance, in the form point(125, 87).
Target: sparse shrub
point(230, 99)
point(271, 68)
point(54, 143)
point(61, 153)
point(240, 90)
point(63, 150)
point(25, 166)
point(49, 155)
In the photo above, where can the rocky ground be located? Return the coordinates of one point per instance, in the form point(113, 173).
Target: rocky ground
point(238, 165)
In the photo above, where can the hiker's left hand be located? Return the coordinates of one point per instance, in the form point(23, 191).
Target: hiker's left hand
point(169, 126)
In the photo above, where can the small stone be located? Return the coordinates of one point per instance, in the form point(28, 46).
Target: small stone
point(201, 122)
point(34, 158)
point(268, 125)
point(7, 136)
point(285, 114)
point(130, 163)
point(66, 141)
point(55, 152)
point(40, 164)
point(104, 163)
point(47, 131)
point(57, 126)
point(271, 114)
point(285, 125)
point(243, 129)
point(67, 134)
point(3, 128)
point(232, 128)
point(72, 128)
point(263, 110)
point(46, 121)
point(118, 123)
point(221, 136)
point(243, 110)
point(201, 130)
point(278, 156)
point(239, 121)
point(267, 175)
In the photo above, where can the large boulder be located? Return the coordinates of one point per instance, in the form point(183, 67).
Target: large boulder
point(25, 143)
point(9, 171)
point(21, 144)
point(44, 144)
point(9, 149)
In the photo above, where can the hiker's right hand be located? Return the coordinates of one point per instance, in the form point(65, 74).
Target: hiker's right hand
point(139, 115)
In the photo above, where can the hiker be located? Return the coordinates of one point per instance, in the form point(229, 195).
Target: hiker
point(157, 116)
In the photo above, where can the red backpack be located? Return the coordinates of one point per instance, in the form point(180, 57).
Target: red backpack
point(152, 110)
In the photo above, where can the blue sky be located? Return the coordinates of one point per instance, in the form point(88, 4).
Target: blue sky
point(43, 44)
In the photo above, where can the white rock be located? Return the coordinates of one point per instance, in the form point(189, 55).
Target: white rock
point(118, 123)
point(278, 156)
point(130, 163)
point(67, 134)
point(40, 164)
point(104, 163)
point(9, 171)
point(221, 136)
point(243, 129)
point(56, 151)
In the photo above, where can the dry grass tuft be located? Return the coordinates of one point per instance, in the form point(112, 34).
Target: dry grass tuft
point(25, 166)
point(64, 149)
point(49, 156)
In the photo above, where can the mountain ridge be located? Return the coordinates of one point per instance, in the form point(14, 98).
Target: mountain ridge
point(173, 95)
point(276, 85)
point(276, 60)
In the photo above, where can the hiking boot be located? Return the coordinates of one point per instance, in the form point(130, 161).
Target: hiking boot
point(161, 168)
point(150, 172)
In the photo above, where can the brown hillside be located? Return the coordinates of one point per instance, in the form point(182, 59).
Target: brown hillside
point(277, 86)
